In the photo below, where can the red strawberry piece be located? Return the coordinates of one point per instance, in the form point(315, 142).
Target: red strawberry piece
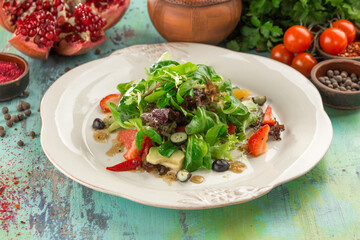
point(133, 152)
point(126, 137)
point(268, 117)
point(180, 129)
point(127, 165)
point(146, 150)
point(231, 128)
point(257, 142)
point(114, 98)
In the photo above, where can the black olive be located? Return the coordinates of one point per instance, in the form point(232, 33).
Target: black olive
point(220, 165)
point(98, 124)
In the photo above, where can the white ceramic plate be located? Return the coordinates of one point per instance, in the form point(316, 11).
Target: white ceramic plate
point(71, 103)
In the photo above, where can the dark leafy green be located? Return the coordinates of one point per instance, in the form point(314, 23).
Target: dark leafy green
point(215, 132)
point(202, 121)
point(167, 149)
point(153, 135)
point(196, 150)
point(162, 64)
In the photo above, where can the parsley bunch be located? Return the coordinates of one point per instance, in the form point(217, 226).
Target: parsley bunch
point(263, 22)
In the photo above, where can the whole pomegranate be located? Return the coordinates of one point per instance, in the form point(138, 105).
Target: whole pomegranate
point(72, 27)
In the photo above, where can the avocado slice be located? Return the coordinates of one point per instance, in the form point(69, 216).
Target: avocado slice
point(175, 162)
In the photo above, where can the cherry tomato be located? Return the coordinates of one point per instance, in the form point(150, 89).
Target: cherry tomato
point(297, 39)
point(333, 41)
point(304, 63)
point(347, 27)
point(281, 54)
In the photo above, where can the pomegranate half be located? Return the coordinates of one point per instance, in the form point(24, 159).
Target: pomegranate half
point(72, 27)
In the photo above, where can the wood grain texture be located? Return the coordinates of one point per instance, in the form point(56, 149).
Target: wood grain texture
point(323, 204)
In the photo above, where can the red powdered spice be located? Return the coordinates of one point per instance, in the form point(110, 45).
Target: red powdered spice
point(9, 71)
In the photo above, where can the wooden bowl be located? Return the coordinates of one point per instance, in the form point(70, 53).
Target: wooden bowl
point(335, 98)
point(203, 21)
point(326, 55)
point(15, 87)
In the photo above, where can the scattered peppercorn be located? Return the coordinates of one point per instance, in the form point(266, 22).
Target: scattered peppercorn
point(19, 108)
point(67, 69)
point(21, 116)
point(9, 123)
point(25, 105)
point(4, 110)
point(14, 118)
point(2, 133)
point(27, 112)
point(97, 51)
point(32, 134)
point(25, 94)
point(7, 116)
point(20, 143)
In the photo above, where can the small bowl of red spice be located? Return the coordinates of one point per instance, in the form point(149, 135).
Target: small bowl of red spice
point(351, 52)
point(14, 76)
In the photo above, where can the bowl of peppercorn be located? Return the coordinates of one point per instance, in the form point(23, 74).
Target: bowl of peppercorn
point(14, 76)
point(338, 82)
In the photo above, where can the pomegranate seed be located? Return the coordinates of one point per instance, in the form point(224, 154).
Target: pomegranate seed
point(32, 33)
point(49, 35)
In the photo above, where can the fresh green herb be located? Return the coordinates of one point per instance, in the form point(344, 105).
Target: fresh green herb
point(263, 22)
point(167, 149)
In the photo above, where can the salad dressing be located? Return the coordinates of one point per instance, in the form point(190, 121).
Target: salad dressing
point(117, 147)
point(101, 135)
point(197, 179)
point(236, 166)
point(169, 177)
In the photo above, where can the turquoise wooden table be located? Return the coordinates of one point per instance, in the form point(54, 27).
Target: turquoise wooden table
point(44, 204)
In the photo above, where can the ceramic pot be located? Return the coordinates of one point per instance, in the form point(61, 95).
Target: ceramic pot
point(15, 87)
point(335, 98)
point(205, 21)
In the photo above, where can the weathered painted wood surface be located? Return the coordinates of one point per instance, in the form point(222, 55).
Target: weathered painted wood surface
point(323, 204)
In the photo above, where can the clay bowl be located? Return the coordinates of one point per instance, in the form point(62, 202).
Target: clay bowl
point(203, 21)
point(15, 87)
point(335, 98)
point(326, 55)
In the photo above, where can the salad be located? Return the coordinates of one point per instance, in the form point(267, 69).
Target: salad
point(185, 117)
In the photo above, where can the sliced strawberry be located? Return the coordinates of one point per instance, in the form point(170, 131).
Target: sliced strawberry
point(114, 98)
point(126, 137)
point(257, 142)
point(127, 165)
point(146, 149)
point(133, 152)
point(268, 117)
point(180, 129)
point(231, 128)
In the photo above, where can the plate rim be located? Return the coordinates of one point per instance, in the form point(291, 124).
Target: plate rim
point(261, 190)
